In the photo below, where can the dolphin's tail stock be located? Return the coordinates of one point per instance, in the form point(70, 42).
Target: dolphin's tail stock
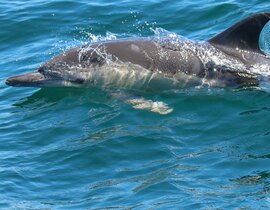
point(243, 36)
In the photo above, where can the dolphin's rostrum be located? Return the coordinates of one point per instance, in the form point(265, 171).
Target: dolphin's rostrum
point(228, 59)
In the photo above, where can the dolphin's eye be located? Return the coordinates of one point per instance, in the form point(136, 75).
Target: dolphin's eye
point(79, 81)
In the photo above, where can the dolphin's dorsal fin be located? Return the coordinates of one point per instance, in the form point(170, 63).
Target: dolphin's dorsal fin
point(244, 35)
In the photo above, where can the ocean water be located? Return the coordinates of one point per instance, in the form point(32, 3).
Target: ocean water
point(81, 148)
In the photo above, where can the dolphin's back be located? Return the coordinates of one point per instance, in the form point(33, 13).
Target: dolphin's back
point(150, 55)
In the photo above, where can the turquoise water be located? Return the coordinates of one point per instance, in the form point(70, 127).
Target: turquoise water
point(68, 148)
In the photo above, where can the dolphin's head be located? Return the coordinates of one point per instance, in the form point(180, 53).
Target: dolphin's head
point(72, 68)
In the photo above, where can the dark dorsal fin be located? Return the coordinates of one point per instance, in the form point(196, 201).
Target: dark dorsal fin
point(244, 35)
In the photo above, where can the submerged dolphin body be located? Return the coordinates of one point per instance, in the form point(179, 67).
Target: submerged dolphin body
point(228, 59)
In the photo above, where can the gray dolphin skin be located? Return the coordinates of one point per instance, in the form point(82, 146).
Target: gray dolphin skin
point(232, 58)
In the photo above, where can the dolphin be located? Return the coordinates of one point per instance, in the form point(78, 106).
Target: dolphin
point(230, 59)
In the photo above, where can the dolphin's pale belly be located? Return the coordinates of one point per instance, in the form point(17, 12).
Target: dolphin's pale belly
point(132, 76)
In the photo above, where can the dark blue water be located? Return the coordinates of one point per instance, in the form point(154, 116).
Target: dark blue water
point(68, 148)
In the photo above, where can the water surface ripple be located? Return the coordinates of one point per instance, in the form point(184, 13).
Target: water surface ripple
point(70, 148)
